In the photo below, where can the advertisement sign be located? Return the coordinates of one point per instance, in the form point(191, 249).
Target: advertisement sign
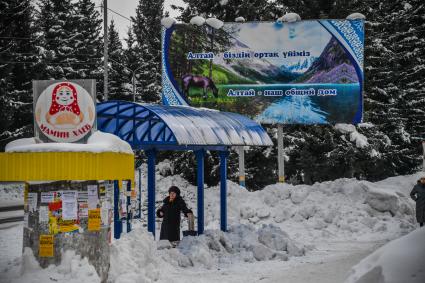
point(94, 220)
point(306, 72)
point(46, 246)
point(64, 110)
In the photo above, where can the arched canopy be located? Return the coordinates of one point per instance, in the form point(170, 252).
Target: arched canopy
point(146, 126)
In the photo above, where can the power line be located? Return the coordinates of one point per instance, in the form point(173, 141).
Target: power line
point(48, 63)
point(120, 15)
point(28, 53)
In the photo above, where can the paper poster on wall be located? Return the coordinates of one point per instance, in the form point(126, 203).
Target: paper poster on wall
point(46, 246)
point(94, 220)
point(305, 72)
point(69, 205)
point(92, 195)
point(82, 196)
point(47, 197)
point(32, 202)
point(43, 214)
point(105, 214)
point(66, 226)
point(83, 210)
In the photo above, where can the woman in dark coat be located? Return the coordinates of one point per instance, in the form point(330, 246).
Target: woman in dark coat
point(170, 211)
point(418, 195)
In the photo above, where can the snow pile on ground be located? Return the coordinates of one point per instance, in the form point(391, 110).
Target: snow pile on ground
point(240, 19)
point(344, 209)
point(73, 269)
point(134, 258)
point(97, 142)
point(242, 243)
point(197, 20)
point(279, 223)
point(359, 139)
point(401, 260)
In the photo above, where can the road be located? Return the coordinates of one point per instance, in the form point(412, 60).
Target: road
point(13, 213)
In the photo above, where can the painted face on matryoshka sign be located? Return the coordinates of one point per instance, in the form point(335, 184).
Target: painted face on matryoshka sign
point(65, 112)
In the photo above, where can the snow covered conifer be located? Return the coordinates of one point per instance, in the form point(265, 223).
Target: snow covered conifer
point(118, 75)
point(147, 31)
point(57, 22)
point(18, 61)
point(87, 43)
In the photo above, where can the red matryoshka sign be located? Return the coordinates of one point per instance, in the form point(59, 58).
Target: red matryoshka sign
point(65, 112)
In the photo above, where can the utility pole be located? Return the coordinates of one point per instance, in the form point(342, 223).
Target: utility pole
point(105, 49)
point(133, 78)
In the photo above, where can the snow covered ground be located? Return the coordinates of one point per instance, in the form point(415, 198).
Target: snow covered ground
point(283, 233)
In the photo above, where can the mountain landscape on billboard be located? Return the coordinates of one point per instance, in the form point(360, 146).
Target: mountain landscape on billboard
point(260, 71)
point(332, 66)
point(299, 67)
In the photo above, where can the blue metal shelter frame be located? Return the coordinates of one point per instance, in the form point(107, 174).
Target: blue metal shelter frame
point(153, 128)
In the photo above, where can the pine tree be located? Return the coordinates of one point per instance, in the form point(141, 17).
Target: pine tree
point(87, 42)
point(57, 23)
point(408, 46)
point(18, 66)
point(147, 31)
point(118, 74)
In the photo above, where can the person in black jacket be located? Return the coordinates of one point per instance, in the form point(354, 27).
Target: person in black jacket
point(418, 195)
point(173, 206)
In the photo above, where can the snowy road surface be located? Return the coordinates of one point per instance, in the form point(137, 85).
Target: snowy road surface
point(329, 263)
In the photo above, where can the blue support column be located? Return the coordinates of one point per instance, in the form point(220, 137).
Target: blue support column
point(200, 154)
point(140, 193)
point(223, 190)
point(117, 220)
point(129, 213)
point(151, 190)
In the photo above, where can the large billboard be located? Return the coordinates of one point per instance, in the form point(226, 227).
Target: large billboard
point(306, 72)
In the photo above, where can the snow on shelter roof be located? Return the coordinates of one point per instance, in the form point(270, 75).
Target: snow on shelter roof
point(148, 125)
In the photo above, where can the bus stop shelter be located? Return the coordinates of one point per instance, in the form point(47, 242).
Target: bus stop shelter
point(153, 128)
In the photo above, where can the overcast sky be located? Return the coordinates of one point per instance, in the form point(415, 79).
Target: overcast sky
point(127, 8)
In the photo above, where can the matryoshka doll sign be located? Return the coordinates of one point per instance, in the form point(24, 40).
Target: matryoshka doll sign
point(64, 111)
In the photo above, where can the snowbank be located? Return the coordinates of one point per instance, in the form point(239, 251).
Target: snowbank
point(97, 142)
point(73, 269)
point(401, 260)
point(279, 223)
point(344, 209)
point(240, 19)
point(242, 243)
point(134, 258)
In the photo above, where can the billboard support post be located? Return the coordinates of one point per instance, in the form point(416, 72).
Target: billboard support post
point(280, 160)
point(241, 155)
